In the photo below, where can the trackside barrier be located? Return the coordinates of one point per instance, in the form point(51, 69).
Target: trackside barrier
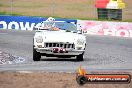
point(121, 29)
point(24, 22)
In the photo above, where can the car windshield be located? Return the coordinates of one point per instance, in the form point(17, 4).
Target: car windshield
point(69, 27)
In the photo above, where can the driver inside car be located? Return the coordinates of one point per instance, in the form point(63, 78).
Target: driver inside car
point(50, 24)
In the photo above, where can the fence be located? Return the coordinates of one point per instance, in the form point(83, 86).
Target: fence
point(81, 9)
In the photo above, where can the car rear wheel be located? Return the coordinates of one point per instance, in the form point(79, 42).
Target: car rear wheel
point(80, 57)
point(36, 55)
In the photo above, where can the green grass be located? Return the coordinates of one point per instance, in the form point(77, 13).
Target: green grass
point(79, 9)
point(80, 18)
point(7, 13)
point(63, 9)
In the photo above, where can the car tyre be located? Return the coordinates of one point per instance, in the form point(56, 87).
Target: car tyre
point(80, 57)
point(36, 55)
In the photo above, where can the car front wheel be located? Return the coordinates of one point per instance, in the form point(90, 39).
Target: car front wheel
point(36, 55)
point(80, 57)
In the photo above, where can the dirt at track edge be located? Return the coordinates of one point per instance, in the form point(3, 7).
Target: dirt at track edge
point(27, 79)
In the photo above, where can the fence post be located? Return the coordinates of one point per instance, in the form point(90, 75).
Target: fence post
point(11, 7)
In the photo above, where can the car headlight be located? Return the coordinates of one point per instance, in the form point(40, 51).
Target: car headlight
point(80, 42)
point(39, 39)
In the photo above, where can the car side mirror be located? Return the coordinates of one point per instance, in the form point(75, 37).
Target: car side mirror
point(80, 32)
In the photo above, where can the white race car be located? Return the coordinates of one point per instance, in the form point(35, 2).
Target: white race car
point(58, 39)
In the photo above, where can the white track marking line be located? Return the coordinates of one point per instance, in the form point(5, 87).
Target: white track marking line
point(25, 71)
point(3, 33)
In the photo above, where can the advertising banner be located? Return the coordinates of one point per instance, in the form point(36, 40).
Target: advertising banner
point(24, 22)
point(122, 29)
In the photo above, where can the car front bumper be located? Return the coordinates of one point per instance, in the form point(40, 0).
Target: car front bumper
point(68, 51)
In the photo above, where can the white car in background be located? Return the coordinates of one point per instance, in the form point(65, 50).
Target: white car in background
point(58, 39)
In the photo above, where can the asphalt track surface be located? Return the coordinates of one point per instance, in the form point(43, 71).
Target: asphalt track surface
point(102, 53)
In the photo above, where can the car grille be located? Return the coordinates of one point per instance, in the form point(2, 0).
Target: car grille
point(62, 45)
